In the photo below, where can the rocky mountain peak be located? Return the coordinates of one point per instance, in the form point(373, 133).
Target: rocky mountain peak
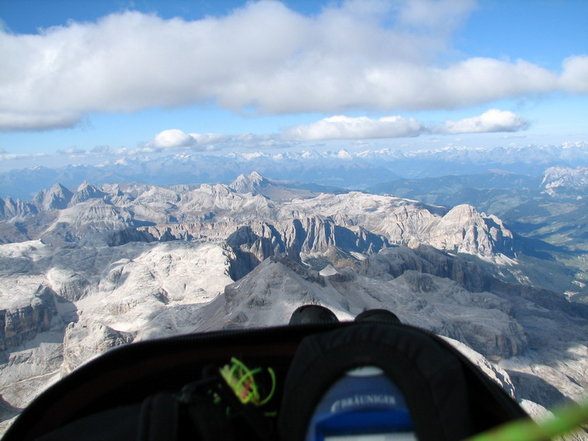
point(461, 213)
point(56, 198)
point(249, 183)
point(465, 230)
point(85, 192)
point(10, 208)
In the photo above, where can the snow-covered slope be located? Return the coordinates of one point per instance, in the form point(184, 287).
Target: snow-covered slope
point(63, 306)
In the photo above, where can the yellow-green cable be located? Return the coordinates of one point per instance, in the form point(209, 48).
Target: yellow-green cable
point(237, 374)
point(565, 419)
point(273, 389)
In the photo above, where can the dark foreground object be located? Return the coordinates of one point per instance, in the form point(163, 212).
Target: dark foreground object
point(312, 314)
point(165, 389)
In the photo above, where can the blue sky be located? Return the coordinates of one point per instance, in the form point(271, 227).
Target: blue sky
point(213, 76)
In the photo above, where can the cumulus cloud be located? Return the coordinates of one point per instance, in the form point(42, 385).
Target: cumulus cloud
point(344, 127)
point(173, 138)
point(368, 54)
point(575, 74)
point(491, 121)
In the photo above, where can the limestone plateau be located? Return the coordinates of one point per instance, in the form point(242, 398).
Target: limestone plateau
point(84, 270)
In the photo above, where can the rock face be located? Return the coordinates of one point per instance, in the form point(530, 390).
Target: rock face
point(9, 208)
point(464, 230)
point(84, 340)
point(118, 213)
point(63, 306)
point(6, 410)
point(277, 286)
point(85, 192)
point(56, 198)
point(20, 324)
point(251, 183)
point(256, 242)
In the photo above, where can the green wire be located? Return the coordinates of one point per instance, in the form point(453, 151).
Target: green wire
point(273, 389)
point(564, 420)
point(238, 374)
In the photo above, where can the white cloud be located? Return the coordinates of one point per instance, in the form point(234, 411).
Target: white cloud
point(493, 120)
point(173, 138)
point(433, 14)
point(369, 54)
point(344, 127)
point(23, 120)
point(575, 74)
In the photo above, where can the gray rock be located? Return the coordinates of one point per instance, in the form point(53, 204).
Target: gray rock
point(56, 198)
point(23, 323)
point(86, 339)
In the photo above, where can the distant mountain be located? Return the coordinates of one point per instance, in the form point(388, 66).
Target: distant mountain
point(566, 180)
point(474, 189)
point(528, 222)
point(57, 197)
point(286, 216)
point(278, 190)
point(549, 210)
point(353, 169)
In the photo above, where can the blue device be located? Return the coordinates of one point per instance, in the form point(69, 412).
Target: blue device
point(364, 405)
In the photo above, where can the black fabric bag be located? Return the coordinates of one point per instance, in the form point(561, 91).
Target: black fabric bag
point(134, 392)
point(448, 397)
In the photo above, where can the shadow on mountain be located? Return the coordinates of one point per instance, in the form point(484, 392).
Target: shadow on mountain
point(250, 250)
point(538, 248)
point(7, 411)
point(549, 320)
point(46, 311)
point(532, 388)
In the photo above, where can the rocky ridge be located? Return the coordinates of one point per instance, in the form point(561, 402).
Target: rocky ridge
point(118, 213)
point(562, 180)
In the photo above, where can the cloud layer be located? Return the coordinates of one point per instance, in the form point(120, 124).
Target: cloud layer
point(368, 54)
point(345, 127)
point(491, 121)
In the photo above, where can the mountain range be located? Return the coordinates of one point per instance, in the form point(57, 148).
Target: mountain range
point(353, 169)
point(89, 268)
